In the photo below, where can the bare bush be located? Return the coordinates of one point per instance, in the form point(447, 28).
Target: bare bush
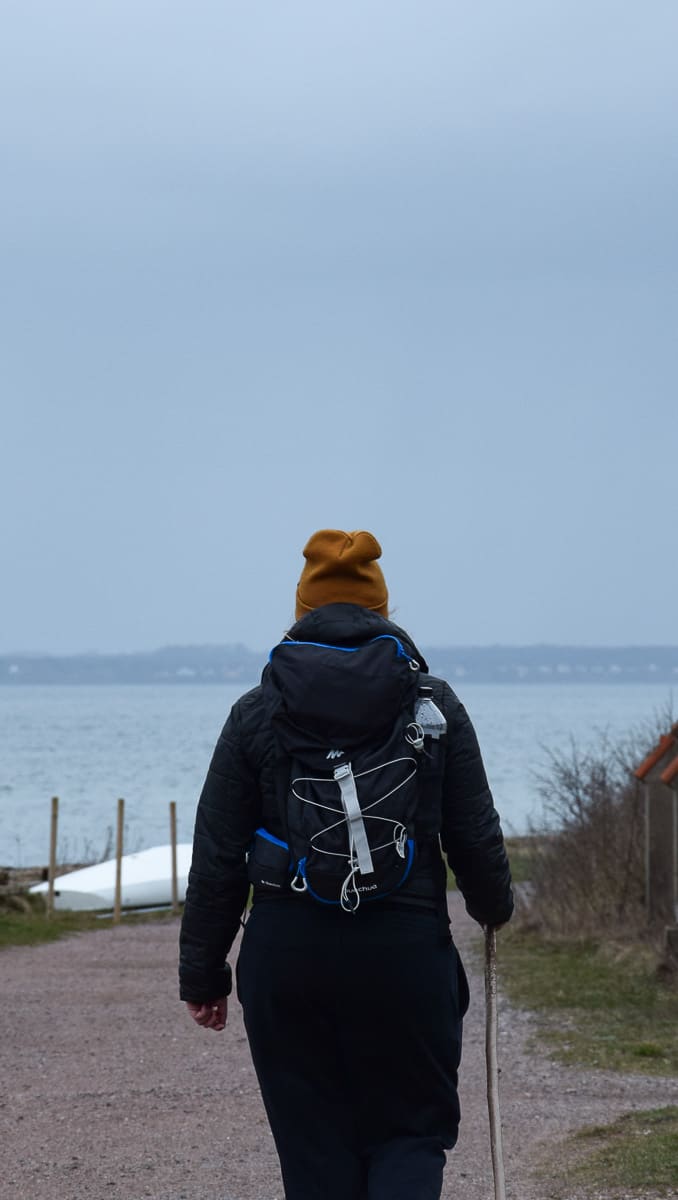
point(587, 870)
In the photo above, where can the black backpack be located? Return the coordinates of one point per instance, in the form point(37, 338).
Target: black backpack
point(349, 750)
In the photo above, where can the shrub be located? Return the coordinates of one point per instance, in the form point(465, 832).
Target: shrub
point(587, 870)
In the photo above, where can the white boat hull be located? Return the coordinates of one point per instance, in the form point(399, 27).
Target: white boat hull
point(146, 881)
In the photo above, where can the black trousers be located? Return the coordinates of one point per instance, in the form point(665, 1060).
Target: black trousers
point(354, 1024)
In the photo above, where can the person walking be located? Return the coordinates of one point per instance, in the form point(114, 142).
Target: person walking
point(353, 1010)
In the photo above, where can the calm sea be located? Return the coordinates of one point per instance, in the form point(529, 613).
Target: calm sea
point(89, 745)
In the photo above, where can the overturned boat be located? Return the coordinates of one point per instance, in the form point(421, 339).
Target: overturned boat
point(146, 881)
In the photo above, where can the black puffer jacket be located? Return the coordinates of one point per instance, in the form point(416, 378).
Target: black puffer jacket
point(239, 795)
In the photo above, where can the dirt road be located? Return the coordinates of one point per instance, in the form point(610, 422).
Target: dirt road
point(108, 1089)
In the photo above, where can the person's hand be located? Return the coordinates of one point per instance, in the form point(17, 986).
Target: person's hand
point(211, 1015)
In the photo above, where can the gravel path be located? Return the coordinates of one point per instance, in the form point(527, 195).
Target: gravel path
point(108, 1090)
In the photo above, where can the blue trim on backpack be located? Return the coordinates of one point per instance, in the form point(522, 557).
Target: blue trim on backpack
point(408, 868)
point(382, 637)
point(269, 837)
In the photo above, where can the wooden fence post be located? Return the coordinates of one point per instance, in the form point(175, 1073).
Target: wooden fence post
point(51, 871)
point(118, 863)
point(173, 840)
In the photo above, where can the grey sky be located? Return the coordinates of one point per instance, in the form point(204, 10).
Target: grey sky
point(268, 267)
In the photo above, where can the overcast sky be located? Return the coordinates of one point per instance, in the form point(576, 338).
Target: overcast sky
point(269, 267)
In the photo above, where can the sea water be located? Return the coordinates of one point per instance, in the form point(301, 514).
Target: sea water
point(88, 745)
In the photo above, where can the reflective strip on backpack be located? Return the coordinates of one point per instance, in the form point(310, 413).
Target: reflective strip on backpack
point(349, 798)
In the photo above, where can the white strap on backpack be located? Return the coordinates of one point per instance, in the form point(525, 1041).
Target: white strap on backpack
point(349, 799)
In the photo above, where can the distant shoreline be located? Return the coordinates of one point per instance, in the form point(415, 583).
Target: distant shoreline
point(175, 666)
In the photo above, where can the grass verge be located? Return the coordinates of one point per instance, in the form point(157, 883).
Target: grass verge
point(600, 1006)
point(638, 1151)
point(29, 925)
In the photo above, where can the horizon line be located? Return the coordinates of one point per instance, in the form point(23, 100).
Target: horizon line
point(462, 646)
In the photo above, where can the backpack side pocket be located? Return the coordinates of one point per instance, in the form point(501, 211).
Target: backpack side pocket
point(268, 862)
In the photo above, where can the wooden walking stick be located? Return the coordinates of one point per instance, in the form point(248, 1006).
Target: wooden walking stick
point(491, 1062)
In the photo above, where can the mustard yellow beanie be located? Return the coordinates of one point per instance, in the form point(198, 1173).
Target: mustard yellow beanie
point(341, 568)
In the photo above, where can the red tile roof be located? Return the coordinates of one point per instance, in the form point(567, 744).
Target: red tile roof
point(666, 742)
point(671, 772)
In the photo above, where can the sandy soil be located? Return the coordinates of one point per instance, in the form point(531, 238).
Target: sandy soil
point(109, 1090)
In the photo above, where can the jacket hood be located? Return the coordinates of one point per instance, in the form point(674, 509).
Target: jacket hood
point(350, 625)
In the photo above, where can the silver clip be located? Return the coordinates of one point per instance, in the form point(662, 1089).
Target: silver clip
point(342, 771)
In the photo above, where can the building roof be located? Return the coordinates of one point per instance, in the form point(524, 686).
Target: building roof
point(670, 775)
point(666, 743)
